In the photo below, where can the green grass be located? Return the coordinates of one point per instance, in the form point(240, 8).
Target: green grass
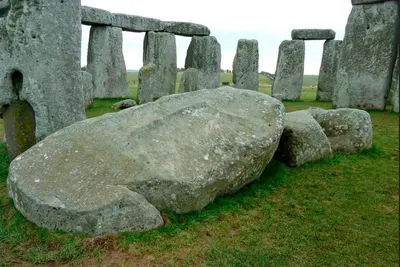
point(339, 212)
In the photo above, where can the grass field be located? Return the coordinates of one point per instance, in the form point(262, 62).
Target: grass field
point(339, 212)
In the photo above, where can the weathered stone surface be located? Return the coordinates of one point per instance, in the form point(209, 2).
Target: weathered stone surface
point(106, 62)
point(396, 81)
point(303, 140)
point(157, 77)
point(328, 70)
point(289, 73)
point(313, 34)
point(137, 23)
point(367, 55)
point(179, 153)
point(95, 16)
point(124, 104)
point(4, 8)
point(204, 54)
point(348, 130)
point(245, 65)
point(186, 28)
point(87, 88)
point(364, 2)
point(189, 80)
point(40, 62)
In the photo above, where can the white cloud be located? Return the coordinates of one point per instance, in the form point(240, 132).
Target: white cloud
point(268, 21)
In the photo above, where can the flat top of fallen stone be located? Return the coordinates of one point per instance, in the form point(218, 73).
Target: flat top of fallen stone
point(313, 34)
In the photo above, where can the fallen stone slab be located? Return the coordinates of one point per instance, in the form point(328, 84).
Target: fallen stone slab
point(245, 65)
point(328, 70)
point(186, 28)
point(348, 130)
point(124, 104)
point(134, 23)
point(110, 173)
point(95, 16)
point(303, 140)
point(367, 55)
point(365, 2)
point(288, 81)
point(313, 34)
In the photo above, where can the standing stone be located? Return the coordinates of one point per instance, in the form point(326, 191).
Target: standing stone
point(157, 77)
point(328, 70)
point(288, 81)
point(367, 55)
point(396, 78)
point(245, 65)
point(87, 89)
point(204, 54)
point(189, 81)
point(105, 61)
point(40, 70)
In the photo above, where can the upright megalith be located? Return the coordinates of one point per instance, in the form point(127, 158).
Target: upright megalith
point(396, 83)
point(288, 81)
point(157, 77)
point(328, 70)
point(189, 81)
point(87, 88)
point(367, 56)
point(105, 61)
point(204, 54)
point(40, 72)
point(245, 65)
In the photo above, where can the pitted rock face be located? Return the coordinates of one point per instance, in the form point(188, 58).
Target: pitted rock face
point(288, 81)
point(245, 65)
point(349, 130)
point(367, 55)
point(110, 173)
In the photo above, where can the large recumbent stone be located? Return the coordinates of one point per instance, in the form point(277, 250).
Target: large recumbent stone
point(110, 173)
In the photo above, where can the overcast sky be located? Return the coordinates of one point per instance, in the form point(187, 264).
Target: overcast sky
point(268, 21)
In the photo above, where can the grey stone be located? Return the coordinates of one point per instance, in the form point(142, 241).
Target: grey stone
point(105, 61)
point(289, 73)
point(245, 65)
point(157, 77)
point(137, 23)
point(185, 28)
point(87, 84)
point(348, 130)
point(364, 2)
point(189, 81)
point(303, 140)
point(328, 70)
point(124, 104)
point(40, 63)
point(204, 54)
point(367, 55)
point(313, 34)
point(4, 8)
point(396, 81)
point(95, 16)
point(187, 150)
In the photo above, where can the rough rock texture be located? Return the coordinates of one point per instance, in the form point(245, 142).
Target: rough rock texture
point(189, 81)
point(106, 62)
point(288, 81)
point(87, 88)
point(328, 70)
point(367, 56)
point(348, 130)
point(396, 79)
point(4, 8)
point(136, 23)
point(204, 54)
point(179, 153)
point(245, 65)
point(157, 77)
point(313, 34)
point(96, 16)
point(40, 62)
point(124, 104)
point(186, 28)
point(303, 140)
point(364, 2)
